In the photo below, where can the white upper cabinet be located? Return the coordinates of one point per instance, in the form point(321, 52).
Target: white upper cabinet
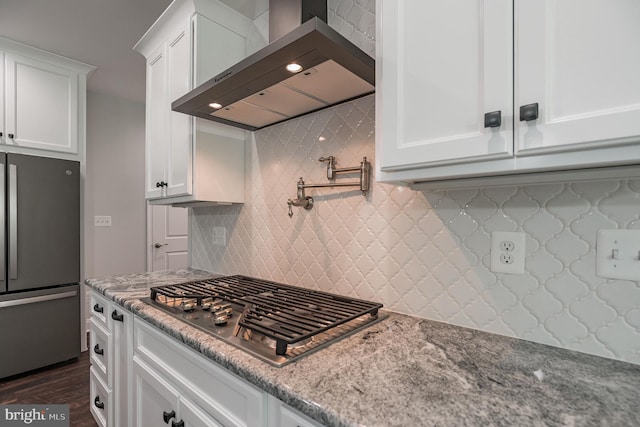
point(179, 177)
point(444, 66)
point(580, 61)
point(445, 70)
point(42, 102)
point(156, 118)
point(189, 162)
point(41, 105)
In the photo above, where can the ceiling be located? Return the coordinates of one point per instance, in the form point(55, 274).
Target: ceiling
point(97, 32)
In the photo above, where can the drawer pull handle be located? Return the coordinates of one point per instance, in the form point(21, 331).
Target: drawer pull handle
point(98, 350)
point(98, 309)
point(529, 112)
point(99, 405)
point(166, 416)
point(177, 424)
point(493, 119)
point(117, 317)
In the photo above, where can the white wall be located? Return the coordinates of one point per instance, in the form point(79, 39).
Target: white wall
point(115, 186)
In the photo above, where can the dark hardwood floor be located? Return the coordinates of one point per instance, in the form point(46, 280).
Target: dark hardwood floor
point(64, 383)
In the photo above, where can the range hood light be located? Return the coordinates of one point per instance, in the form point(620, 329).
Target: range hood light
point(215, 105)
point(294, 68)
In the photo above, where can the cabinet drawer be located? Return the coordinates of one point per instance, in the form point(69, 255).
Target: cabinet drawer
point(282, 415)
point(291, 418)
point(100, 350)
point(99, 309)
point(228, 398)
point(100, 403)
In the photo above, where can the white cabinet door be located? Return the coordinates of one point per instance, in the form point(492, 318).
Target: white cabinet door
point(156, 137)
point(441, 66)
point(179, 160)
point(154, 399)
point(580, 61)
point(194, 416)
point(41, 106)
point(122, 330)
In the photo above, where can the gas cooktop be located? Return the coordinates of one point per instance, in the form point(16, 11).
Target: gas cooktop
point(275, 322)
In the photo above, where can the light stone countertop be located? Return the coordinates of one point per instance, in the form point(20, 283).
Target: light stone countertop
point(407, 371)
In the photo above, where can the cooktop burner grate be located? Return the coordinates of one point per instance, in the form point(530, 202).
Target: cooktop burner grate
point(286, 314)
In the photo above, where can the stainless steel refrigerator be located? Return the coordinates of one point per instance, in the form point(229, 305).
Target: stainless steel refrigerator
point(39, 262)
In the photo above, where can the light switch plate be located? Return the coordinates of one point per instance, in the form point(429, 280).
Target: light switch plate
point(618, 254)
point(507, 252)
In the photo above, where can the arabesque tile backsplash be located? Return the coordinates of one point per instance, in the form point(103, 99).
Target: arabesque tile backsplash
point(426, 253)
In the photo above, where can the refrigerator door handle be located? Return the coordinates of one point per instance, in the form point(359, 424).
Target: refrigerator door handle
point(13, 221)
point(32, 300)
point(2, 234)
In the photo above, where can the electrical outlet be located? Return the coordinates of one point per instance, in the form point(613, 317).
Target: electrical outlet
point(507, 252)
point(219, 237)
point(618, 254)
point(102, 221)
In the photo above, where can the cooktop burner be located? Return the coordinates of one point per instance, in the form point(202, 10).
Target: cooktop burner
point(277, 323)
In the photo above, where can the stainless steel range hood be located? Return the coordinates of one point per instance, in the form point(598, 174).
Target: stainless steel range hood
point(259, 91)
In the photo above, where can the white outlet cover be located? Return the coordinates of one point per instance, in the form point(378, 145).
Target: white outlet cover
point(518, 252)
point(102, 221)
point(625, 246)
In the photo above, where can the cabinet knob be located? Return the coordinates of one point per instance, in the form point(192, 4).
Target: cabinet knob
point(98, 309)
point(529, 112)
point(493, 119)
point(177, 424)
point(1, 134)
point(161, 184)
point(99, 405)
point(117, 317)
point(166, 416)
point(97, 350)
point(10, 135)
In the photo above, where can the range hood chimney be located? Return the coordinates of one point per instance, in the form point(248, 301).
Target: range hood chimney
point(259, 91)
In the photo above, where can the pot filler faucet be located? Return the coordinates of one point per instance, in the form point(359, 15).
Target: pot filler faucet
point(304, 201)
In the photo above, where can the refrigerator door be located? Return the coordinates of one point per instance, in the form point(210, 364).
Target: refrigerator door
point(40, 328)
point(3, 233)
point(43, 224)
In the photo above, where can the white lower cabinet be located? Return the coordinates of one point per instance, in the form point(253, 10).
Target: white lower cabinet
point(197, 382)
point(111, 347)
point(140, 376)
point(156, 400)
point(282, 415)
point(101, 399)
point(172, 380)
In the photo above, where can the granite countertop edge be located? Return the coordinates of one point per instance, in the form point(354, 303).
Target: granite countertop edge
point(406, 370)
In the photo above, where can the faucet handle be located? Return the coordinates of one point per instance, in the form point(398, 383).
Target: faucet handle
point(331, 165)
